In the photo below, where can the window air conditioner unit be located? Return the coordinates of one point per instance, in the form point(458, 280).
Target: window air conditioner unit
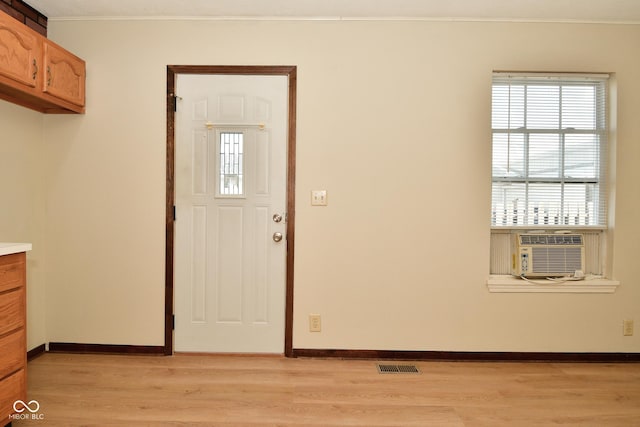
point(547, 255)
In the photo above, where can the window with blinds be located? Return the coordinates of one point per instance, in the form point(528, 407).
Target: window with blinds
point(549, 150)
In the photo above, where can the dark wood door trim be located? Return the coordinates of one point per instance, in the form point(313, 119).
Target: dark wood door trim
point(172, 72)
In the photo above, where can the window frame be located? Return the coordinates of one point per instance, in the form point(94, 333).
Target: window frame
point(525, 219)
point(219, 166)
point(598, 237)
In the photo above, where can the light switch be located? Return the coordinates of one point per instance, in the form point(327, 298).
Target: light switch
point(318, 197)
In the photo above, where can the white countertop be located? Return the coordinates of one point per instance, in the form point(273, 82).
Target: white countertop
point(13, 248)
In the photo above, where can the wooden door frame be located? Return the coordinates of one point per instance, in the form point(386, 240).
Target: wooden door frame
point(172, 72)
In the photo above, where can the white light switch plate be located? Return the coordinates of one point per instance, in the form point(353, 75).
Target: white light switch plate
point(318, 197)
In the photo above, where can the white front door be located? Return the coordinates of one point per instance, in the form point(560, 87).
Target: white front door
point(230, 180)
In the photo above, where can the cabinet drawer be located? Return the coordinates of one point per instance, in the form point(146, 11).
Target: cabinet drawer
point(13, 355)
point(12, 271)
point(12, 310)
point(11, 389)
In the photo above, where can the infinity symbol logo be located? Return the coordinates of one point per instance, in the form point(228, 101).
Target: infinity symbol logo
point(20, 404)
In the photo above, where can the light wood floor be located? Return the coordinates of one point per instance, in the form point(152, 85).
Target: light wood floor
point(99, 390)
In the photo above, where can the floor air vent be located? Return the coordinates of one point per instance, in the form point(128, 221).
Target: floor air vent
point(397, 369)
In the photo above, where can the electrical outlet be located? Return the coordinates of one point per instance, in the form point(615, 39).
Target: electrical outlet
point(315, 324)
point(627, 328)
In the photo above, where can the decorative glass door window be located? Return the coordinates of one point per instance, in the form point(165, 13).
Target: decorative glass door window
point(230, 163)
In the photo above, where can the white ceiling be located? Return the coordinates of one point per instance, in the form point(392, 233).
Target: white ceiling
point(618, 11)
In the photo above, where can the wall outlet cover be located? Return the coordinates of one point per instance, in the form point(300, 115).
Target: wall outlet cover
point(318, 197)
point(315, 324)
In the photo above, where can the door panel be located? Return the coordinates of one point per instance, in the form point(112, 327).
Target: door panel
point(230, 173)
point(229, 266)
point(198, 265)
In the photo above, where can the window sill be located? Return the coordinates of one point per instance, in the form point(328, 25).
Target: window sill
point(507, 283)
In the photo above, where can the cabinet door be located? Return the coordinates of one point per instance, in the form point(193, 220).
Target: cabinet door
point(12, 311)
point(19, 52)
point(12, 271)
point(13, 354)
point(64, 75)
point(12, 388)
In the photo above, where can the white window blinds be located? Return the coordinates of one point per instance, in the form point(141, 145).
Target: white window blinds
point(549, 150)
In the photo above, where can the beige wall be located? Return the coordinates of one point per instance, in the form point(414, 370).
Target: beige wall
point(391, 117)
point(22, 209)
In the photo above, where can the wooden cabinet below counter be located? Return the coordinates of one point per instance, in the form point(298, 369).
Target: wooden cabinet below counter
point(37, 73)
point(13, 347)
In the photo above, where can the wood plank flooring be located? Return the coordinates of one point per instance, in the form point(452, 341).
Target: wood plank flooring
point(227, 390)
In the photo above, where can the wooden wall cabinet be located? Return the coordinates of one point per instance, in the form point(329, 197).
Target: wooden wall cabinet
point(64, 74)
point(37, 73)
point(13, 344)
